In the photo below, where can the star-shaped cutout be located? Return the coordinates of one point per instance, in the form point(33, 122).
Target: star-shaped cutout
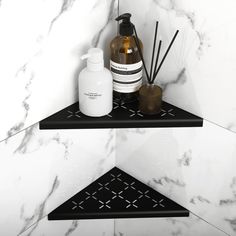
point(73, 113)
point(167, 112)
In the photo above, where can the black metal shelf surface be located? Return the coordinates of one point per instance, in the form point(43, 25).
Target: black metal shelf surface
point(117, 195)
point(122, 116)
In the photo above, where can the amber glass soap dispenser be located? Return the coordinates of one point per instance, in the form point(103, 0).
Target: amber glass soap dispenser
point(125, 62)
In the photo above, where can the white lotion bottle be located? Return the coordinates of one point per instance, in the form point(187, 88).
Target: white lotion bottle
point(95, 85)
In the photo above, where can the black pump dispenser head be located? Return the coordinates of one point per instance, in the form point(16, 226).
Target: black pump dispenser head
point(126, 27)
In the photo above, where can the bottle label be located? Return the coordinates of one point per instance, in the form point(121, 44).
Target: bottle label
point(127, 78)
point(92, 96)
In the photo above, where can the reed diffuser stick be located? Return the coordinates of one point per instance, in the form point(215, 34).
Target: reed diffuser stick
point(157, 59)
point(163, 59)
point(153, 51)
point(140, 53)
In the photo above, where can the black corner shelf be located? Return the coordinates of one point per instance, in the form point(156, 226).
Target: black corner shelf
point(117, 195)
point(122, 116)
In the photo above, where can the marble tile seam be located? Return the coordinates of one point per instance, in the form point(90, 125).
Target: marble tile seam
point(216, 227)
point(35, 224)
point(22, 130)
point(220, 126)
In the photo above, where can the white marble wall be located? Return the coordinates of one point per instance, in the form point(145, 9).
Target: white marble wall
point(187, 226)
point(199, 73)
point(193, 166)
point(41, 44)
point(72, 228)
point(41, 169)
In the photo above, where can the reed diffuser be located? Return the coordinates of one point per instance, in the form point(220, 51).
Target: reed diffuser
point(150, 95)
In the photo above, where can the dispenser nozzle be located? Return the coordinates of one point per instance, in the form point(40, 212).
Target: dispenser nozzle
point(95, 58)
point(125, 17)
point(85, 56)
point(126, 27)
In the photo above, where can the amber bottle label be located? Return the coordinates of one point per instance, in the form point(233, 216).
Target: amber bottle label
point(127, 78)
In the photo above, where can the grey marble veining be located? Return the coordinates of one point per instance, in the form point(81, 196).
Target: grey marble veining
point(41, 63)
point(41, 55)
point(72, 228)
point(189, 226)
point(39, 211)
point(113, 12)
point(192, 166)
point(39, 170)
point(65, 6)
point(198, 74)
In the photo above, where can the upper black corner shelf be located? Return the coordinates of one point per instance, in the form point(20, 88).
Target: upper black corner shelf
point(123, 115)
point(117, 195)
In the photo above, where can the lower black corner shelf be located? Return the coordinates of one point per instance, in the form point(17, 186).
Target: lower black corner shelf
point(117, 195)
